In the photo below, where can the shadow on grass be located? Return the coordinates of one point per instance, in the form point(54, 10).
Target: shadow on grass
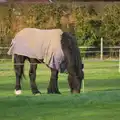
point(90, 85)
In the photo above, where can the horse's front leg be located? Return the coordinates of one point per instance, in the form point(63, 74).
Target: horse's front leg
point(53, 84)
point(32, 75)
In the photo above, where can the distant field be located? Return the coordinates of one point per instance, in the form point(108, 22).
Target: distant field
point(101, 99)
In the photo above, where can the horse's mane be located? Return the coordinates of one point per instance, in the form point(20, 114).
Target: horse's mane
point(69, 43)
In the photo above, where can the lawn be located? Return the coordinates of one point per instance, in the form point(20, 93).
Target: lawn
point(100, 100)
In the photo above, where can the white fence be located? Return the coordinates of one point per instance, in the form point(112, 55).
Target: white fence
point(101, 51)
point(101, 56)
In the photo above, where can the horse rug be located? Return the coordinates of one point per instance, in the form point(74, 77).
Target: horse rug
point(39, 44)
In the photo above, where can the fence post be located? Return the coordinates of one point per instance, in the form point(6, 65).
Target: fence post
point(83, 81)
point(83, 85)
point(101, 49)
point(119, 62)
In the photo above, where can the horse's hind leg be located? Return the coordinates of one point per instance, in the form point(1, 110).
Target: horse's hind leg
point(18, 67)
point(32, 75)
point(53, 84)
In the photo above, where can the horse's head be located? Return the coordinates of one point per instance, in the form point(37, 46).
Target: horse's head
point(73, 60)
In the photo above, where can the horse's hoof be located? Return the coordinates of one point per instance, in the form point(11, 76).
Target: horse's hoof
point(37, 93)
point(58, 92)
point(18, 92)
point(75, 91)
point(52, 92)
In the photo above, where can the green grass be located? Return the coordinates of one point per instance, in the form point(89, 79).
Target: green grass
point(101, 99)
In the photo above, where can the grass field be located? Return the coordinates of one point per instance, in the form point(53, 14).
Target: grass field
point(101, 99)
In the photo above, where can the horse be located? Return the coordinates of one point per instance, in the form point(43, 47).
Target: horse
point(71, 60)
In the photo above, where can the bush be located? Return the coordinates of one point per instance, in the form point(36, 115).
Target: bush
point(88, 25)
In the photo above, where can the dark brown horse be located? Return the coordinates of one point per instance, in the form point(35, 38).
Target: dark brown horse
point(73, 62)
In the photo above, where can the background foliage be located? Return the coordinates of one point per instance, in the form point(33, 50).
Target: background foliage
point(87, 23)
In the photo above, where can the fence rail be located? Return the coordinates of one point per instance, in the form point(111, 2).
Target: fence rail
point(114, 47)
point(100, 50)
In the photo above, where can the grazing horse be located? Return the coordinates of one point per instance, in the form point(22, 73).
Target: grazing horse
point(30, 44)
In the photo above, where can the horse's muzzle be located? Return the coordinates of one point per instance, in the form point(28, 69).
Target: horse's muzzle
point(75, 91)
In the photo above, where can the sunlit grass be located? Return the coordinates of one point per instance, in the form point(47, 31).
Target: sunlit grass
point(99, 101)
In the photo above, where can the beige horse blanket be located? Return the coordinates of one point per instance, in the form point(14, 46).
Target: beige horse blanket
point(39, 44)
